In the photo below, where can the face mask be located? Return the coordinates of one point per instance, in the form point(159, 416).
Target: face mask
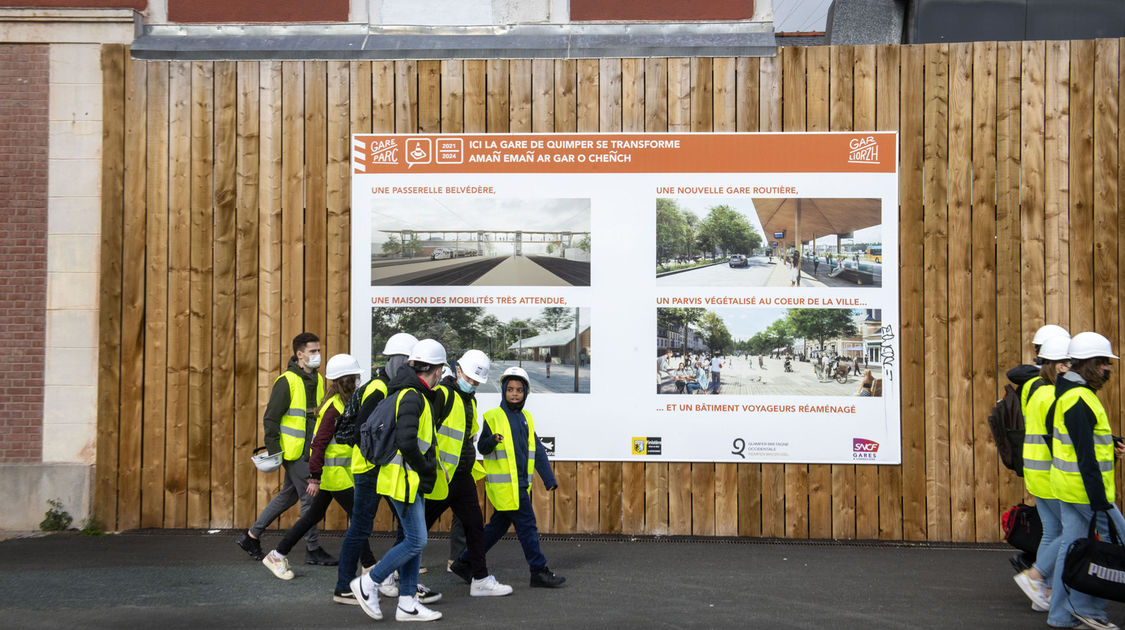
point(464, 386)
point(313, 361)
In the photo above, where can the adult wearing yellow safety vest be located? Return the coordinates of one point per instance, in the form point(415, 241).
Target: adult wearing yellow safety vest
point(330, 475)
point(405, 481)
point(457, 425)
point(1082, 452)
point(1037, 398)
point(360, 406)
point(511, 451)
point(288, 421)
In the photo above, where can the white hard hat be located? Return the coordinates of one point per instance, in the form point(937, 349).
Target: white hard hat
point(474, 364)
point(1055, 349)
point(1046, 332)
point(1087, 345)
point(400, 343)
point(264, 461)
point(446, 371)
point(341, 365)
point(428, 351)
point(517, 372)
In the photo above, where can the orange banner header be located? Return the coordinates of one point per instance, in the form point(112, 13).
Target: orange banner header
point(849, 152)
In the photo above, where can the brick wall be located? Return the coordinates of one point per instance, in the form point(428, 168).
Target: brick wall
point(23, 247)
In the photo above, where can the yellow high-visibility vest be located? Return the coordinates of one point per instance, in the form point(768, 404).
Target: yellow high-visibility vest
point(1066, 480)
point(397, 479)
point(294, 421)
point(336, 473)
point(451, 437)
point(1036, 449)
point(359, 464)
point(501, 479)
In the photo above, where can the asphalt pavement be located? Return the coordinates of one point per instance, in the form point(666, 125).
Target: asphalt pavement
point(194, 579)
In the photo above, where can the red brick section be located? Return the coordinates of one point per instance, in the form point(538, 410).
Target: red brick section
point(23, 248)
point(659, 10)
point(229, 11)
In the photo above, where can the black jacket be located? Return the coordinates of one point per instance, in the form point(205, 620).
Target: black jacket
point(1022, 374)
point(279, 404)
point(410, 409)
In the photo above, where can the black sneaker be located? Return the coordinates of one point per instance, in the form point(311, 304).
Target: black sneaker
point(427, 596)
point(462, 570)
point(321, 557)
point(546, 579)
point(251, 546)
point(345, 596)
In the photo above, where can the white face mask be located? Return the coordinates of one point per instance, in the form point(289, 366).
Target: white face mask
point(313, 361)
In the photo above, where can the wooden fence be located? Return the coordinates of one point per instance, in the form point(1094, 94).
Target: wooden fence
point(225, 227)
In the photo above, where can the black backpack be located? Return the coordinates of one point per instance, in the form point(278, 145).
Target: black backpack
point(1022, 528)
point(1006, 422)
point(377, 434)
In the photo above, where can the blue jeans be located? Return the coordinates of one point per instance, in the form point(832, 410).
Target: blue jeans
point(364, 505)
point(1046, 556)
point(523, 518)
point(1064, 600)
point(406, 556)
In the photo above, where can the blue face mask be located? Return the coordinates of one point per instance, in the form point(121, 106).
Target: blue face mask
point(464, 386)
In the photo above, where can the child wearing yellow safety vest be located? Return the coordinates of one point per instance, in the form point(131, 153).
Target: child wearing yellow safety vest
point(511, 451)
point(330, 476)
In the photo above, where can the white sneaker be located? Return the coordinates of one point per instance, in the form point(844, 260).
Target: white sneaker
point(488, 587)
point(389, 587)
point(1036, 590)
point(278, 566)
point(367, 597)
point(1096, 624)
point(420, 613)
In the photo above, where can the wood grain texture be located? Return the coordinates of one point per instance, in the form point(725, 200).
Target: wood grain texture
point(1056, 145)
point(1081, 163)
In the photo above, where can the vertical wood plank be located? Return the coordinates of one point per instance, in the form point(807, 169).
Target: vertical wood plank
point(793, 103)
point(179, 294)
point(748, 93)
point(429, 96)
point(132, 300)
point(475, 95)
point(1056, 143)
point(609, 95)
point(519, 95)
point(359, 99)
point(911, 213)
point(1081, 162)
point(1016, 151)
point(406, 96)
point(702, 94)
point(566, 95)
point(1033, 242)
point(566, 497)
point(984, 369)
point(1104, 259)
point(542, 95)
point(633, 95)
point(497, 96)
point(726, 499)
point(337, 246)
point(633, 498)
point(246, 293)
point(156, 297)
point(702, 491)
point(679, 95)
point(656, 94)
point(887, 105)
point(962, 519)
point(199, 322)
point(679, 498)
point(383, 97)
point(656, 499)
point(113, 59)
point(588, 103)
point(935, 241)
point(841, 118)
point(224, 208)
point(610, 503)
point(587, 497)
point(270, 333)
point(724, 113)
point(315, 159)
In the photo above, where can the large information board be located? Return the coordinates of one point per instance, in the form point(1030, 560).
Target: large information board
point(672, 297)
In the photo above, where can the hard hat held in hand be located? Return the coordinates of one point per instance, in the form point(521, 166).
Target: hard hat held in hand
point(428, 351)
point(474, 364)
point(400, 343)
point(1046, 332)
point(1055, 349)
point(264, 461)
point(1087, 345)
point(342, 365)
point(517, 372)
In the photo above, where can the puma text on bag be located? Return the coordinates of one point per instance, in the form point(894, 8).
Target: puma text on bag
point(1097, 567)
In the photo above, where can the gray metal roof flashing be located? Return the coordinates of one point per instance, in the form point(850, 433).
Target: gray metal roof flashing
point(521, 41)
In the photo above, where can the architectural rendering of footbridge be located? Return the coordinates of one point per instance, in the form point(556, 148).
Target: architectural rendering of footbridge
point(484, 258)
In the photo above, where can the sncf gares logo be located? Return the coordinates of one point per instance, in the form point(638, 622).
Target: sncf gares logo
point(864, 449)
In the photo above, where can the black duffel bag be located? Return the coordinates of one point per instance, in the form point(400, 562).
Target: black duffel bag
point(1097, 567)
